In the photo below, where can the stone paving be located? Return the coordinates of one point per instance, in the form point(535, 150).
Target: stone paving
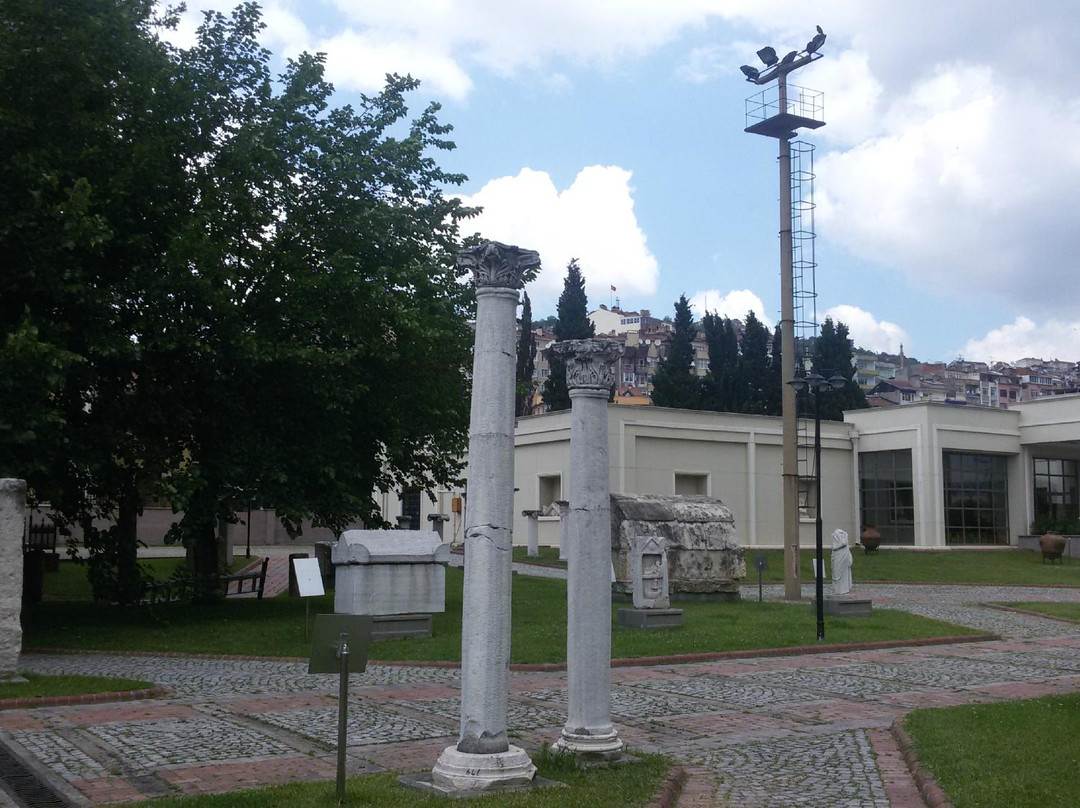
point(766, 731)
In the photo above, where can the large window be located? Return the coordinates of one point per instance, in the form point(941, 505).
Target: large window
point(886, 495)
point(976, 499)
point(1056, 498)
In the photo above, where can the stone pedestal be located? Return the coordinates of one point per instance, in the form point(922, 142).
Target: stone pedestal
point(532, 533)
point(12, 513)
point(650, 619)
point(483, 757)
point(847, 606)
point(589, 732)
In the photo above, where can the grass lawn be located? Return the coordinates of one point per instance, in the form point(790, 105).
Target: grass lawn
point(631, 785)
point(70, 581)
point(1016, 754)
point(39, 686)
point(945, 567)
point(275, 627)
point(548, 555)
point(1070, 611)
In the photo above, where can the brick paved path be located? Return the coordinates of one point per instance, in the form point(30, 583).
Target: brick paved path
point(781, 731)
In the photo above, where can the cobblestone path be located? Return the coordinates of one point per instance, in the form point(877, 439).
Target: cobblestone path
point(779, 731)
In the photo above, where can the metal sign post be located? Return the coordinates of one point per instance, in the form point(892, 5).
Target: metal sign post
point(762, 564)
point(308, 583)
point(337, 638)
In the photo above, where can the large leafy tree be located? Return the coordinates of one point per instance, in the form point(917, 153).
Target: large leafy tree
point(833, 355)
point(222, 287)
point(675, 384)
point(573, 323)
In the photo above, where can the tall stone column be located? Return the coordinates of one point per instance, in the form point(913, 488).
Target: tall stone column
point(483, 757)
point(590, 374)
point(12, 513)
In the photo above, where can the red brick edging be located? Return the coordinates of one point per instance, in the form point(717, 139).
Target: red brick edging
point(929, 788)
point(83, 698)
point(671, 789)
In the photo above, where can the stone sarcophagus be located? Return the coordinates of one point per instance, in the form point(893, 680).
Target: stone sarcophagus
point(390, 572)
point(704, 556)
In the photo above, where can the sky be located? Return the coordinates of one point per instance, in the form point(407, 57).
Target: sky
point(946, 179)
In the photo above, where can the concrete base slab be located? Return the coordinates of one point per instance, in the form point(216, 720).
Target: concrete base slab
point(423, 782)
point(848, 607)
point(397, 626)
point(591, 748)
point(650, 619)
point(458, 773)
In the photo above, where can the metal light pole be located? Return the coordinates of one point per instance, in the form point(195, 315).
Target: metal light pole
point(817, 384)
point(781, 119)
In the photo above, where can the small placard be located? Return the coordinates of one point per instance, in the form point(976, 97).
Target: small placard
point(329, 629)
point(308, 577)
point(761, 562)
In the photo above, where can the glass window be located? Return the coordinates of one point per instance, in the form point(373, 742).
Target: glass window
point(976, 498)
point(1055, 488)
point(886, 495)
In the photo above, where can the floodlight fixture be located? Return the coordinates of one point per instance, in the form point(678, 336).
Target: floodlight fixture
point(751, 73)
point(814, 45)
point(789, 58)
point(768, 56)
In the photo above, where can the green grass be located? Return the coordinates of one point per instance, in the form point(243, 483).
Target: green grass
point(275, 627)
point(1070, 611)
point(942, 566)
point(39, 686)
point(1016, 754)
point(548, 555)
point(70, 582)
point(630, 785)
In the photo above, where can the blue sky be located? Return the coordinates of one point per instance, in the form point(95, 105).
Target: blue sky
point(948, 172)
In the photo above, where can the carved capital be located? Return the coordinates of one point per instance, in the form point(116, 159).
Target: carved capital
point(495, 264)
point(590, 363)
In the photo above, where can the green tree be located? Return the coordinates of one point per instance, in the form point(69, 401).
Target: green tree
point(755, 376)
point(675, 383)
point(721, 389)
point(774, 392)
point(833, 355)
point(229, 289)
point(526, 359)
point(573, 323)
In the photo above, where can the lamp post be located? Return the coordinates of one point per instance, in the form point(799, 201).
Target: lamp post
point(817, 384)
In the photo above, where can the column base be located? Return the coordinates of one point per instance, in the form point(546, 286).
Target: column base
point(456, 771)
point(606, 746)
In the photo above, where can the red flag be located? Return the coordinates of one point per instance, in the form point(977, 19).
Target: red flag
point(613, 288)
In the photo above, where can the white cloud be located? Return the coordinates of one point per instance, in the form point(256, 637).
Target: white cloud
point(868, 332)
point(1052, 339)
point(593, 220)
point(973, 186)
point(734, 305)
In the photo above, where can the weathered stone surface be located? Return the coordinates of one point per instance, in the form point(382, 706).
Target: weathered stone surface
point(704, 555)
point(382, 572)
point(12, 510)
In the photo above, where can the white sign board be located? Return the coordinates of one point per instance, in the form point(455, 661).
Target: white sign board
point(308, 577)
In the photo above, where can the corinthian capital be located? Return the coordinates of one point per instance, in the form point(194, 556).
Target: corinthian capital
point(590, 363)
point(495, 264)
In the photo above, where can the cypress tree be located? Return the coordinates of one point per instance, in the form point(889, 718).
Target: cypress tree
point(526, 360)
point(573, 323)
point(675, 384)
point(833, 355)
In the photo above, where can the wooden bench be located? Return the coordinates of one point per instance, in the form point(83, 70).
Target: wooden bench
point(255, 580)
point(40, 537)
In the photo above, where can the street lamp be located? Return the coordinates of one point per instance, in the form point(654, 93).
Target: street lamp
point(817, 384)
